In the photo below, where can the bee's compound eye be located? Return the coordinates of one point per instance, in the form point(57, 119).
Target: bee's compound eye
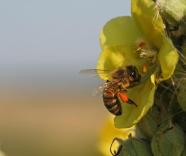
point(133, 75)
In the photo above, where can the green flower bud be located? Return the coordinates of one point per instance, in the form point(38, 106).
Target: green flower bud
point(183, 50)
point(135, 147)
point(149, 124)
point(184, 152)
point(168, 140)
point(172, 10)
point(181, 94)
point(180, 119)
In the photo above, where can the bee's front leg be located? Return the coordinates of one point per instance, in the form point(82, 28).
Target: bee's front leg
point(125, 84)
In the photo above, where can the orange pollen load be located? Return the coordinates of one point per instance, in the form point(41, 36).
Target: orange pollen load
point(123, 97)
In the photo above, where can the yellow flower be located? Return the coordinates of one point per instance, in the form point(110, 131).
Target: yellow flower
point(121, 39)
point(108, 133)
point(149, 21)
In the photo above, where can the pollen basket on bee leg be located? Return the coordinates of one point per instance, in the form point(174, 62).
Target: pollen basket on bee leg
point(123, 96)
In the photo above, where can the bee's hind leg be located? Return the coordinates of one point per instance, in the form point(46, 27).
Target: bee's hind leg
point(132, 102)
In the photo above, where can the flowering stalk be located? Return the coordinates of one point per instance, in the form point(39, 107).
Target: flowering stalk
point(159, 122)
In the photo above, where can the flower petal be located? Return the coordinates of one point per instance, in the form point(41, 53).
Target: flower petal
point(117, 56)
point(108, 133)
point(143, 96)
point(118, 41)
point(168, 58)
point(147, 17)
point(119, 31)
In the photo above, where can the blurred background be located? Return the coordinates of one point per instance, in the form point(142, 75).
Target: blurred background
point(46, 107)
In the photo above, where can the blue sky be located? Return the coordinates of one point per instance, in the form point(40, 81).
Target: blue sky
point(56, 36)
point(54, 32)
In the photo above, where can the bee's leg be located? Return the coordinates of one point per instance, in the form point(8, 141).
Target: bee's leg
point(126, 83)
point(132, 102)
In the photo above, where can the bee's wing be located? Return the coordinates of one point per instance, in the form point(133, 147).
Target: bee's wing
point(95, 72)
point(98, 91)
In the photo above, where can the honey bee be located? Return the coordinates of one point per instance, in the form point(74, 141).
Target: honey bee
point(115, 89)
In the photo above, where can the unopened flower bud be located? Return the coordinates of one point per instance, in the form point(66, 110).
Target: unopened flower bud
point(149, 124)
point(181, 94)
point(135, 147)
point(173, 10)
point(168, 140)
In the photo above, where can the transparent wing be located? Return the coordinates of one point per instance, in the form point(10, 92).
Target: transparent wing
point(95, 72)
point(98, 91)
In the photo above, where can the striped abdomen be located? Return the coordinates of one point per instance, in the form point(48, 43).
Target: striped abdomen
point(111, 101)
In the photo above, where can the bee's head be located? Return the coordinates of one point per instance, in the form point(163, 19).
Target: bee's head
point(133, 74)
point(119, 74)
